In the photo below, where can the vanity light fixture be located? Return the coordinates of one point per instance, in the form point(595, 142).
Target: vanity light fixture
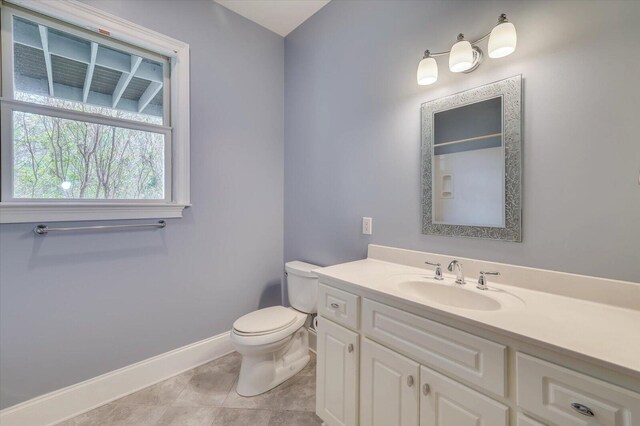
point(466, 56)
point(427, 70)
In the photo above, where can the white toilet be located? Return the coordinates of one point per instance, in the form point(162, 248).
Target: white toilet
point(274, 342)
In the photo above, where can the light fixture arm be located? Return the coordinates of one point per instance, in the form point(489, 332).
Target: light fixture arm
point(446, 52)
point(501, 20)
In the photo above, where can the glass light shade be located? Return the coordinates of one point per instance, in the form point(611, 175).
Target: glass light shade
point(427, 71)
point(502, 41)
point(461, 56)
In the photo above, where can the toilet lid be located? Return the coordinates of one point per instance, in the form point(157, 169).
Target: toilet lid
point(265, 320)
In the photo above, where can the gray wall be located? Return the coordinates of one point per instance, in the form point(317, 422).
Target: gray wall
point(76, 306)
point(352, 129)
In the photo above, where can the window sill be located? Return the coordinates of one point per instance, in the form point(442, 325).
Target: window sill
point(17, 212)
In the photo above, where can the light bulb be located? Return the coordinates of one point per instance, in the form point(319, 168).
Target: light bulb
point(461, 56)
point(65, 185)
point(427, 71)
point(503, 38)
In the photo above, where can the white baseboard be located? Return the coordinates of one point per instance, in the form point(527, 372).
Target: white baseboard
point(76, 399)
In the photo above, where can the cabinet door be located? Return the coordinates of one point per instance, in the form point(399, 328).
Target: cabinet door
point(388, 387)
point(445, 402)
point(337, 374)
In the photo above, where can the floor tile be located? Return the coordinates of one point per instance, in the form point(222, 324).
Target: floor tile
point(162, 393)
point(89, 418)
point(210, 383)
point(228, 363)
point(119, 415)
point(294, 418)
point(206, 396)
point(188, 416)
point(297, 394)
point(310, 368)
point(242, 417)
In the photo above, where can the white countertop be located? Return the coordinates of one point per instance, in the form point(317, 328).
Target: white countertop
point(605, 334)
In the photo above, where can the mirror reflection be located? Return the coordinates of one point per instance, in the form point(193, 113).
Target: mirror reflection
point(468, 165)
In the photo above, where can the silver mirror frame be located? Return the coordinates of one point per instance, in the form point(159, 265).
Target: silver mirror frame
point(511, 91)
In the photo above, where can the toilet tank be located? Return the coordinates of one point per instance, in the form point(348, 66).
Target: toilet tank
point(302, 286)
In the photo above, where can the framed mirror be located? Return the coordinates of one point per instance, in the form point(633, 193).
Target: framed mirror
point(471, 163)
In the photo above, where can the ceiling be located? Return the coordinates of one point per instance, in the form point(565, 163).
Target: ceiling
point(279, 16)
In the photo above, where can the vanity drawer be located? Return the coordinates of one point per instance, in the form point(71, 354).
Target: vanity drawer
point(463, 355)
point(566, 397)
point(339, 306)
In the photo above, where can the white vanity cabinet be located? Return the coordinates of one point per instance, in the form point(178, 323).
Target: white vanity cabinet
point(363, 379)
point(380, 365)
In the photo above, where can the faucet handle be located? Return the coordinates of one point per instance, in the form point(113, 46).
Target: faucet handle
point(438, 275)
point(482, 280)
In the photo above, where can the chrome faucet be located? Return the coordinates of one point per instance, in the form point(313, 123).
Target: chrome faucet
point(458, 267)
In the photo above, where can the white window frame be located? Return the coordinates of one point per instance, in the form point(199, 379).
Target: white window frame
point(176, 156)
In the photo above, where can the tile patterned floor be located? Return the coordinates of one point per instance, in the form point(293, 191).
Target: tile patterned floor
point(207, 396)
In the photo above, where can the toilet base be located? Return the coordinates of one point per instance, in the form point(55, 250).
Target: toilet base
point(264, 368)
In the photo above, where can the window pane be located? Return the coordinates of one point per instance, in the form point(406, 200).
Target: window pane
point(56, 158)
point(55, 68)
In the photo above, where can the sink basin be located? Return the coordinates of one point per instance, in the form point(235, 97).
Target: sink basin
point(449, 294)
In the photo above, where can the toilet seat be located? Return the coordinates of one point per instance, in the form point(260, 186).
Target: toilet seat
point(264, 321)
point(267, 325)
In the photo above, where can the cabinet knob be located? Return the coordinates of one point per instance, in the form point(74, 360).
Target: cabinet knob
point(426, 389)
point(335, 305)
point(582, 409)
point(350, 348)
point(409, 381)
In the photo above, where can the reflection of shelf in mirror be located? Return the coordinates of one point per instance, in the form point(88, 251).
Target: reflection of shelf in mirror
point(477, 138)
